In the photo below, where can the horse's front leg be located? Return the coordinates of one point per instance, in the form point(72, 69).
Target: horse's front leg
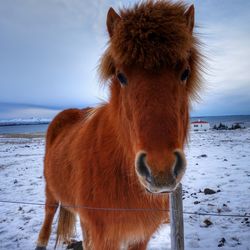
point(100, 241)
point(86, 243)
point(139, 246)
point(98, 238)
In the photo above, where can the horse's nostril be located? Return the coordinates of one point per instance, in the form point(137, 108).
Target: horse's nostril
point(180, 163)
point(142, 168)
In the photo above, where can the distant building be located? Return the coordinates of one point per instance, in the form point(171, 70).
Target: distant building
point(200, 125)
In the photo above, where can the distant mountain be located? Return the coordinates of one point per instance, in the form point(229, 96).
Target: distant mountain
point(17, 113)
point(28, 121)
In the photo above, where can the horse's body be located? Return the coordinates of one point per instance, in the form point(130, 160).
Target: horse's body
point(112, 187)
point(99, 161)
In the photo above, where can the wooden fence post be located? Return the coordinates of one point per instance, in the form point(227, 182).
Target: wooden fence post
point(176, 219)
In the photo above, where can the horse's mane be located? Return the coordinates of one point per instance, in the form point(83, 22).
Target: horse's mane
point(151, 35)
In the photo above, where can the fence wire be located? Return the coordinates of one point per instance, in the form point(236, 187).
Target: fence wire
point(246, 215)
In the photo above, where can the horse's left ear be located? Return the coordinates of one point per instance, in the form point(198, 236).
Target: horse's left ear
point(112, 19)
point(189, 14)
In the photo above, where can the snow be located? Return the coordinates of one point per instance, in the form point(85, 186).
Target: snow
point(219, 160)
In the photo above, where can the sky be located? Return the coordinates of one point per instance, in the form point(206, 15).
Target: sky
point(49, 53)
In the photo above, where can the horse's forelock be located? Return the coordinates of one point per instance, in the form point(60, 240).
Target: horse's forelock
point(152, 35)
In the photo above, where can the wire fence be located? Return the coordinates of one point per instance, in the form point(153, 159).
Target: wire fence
point(218, 214)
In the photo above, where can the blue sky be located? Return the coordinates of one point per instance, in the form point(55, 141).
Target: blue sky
point(50, 50)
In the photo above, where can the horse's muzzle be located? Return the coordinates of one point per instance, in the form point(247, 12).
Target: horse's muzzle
point(162, 180)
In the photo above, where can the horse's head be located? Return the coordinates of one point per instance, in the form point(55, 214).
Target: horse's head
point(152, 62)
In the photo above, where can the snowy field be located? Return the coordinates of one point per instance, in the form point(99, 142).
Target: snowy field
point(218, 160)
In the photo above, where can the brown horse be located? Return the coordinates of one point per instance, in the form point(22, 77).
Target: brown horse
point(127, 152)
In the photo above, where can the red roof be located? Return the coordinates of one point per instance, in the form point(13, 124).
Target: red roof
point(199, 122)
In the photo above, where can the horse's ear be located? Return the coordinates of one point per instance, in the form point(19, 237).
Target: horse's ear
point(112, 19)
point(189, 14)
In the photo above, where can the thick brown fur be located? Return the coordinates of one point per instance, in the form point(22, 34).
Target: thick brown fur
point(153, 35)
point(90, 153)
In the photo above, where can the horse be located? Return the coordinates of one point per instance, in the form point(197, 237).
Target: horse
point(114, 165)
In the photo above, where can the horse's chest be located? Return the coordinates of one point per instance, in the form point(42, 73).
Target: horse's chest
point(134, 226)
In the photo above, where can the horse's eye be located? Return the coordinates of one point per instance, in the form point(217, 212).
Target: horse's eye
point(122, 79)
point(185, 74)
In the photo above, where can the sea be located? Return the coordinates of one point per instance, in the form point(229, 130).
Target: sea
point(19, 128)
point(23, 128)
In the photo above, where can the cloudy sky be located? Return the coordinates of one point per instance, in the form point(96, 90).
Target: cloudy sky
point(49, 51)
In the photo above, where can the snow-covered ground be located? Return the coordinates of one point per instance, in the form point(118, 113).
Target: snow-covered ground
point(219, 160)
